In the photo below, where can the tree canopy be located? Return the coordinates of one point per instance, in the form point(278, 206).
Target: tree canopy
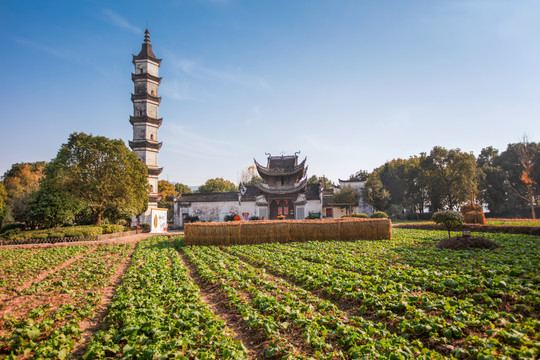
point(3, 203)
point(346, 195)
point(326, 183)
point(182, 189)
point(20, 182)
point(217, 185)
point(360, 175)
point(167, 191)
point(101, 174)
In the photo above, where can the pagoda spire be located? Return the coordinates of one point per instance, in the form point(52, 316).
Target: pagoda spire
point(147, 36)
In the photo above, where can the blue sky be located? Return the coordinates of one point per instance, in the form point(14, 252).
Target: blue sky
point(351, 84)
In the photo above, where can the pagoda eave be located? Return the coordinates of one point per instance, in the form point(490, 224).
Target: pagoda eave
point(145, 144)
point(154, 171)
point(145, 76)
point(281, 190)
point(144, 97)
point(154, 198)
point(145, 119)
point(145, 57)
point(265, 171)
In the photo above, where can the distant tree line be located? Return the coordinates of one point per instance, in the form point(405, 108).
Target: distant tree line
point(506, 182)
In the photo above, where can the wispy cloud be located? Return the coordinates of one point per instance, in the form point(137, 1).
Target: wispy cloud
point(119, 21)
point(198, 70)
point(59, 53)
point(175, 90)
point(183, 140)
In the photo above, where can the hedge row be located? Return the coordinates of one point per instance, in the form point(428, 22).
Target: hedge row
point(508, 229)
point(59, 233)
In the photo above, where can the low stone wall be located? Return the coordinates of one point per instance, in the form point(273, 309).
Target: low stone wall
point(69, 239)
point(528, 230)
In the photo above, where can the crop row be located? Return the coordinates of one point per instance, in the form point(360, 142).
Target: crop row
point(18, 272)
point(59, 303)
point(158, 312)
point(284, 312)
point(436, 319)
point(460, 281)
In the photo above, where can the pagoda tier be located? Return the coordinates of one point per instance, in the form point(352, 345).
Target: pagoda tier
point(145, 119)
point(145, 144)
point(154, 171)
point(145, 77)
point(275, 168)
point(145, 96)
point(281, 190)
point(153, 198)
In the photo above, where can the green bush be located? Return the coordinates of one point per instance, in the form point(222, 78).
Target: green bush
point(449, 219)
point(40, 235)
point(355, 215)
point(111, 228)
point(56, 235)
point(90, 230)
point(378, 215)
point(11, 226)
point(145, 226)
point(229, 217)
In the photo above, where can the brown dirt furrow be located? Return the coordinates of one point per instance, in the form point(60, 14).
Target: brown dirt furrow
point(254, 340)
point(91, 326)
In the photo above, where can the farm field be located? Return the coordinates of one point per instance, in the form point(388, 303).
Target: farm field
point(401, 298)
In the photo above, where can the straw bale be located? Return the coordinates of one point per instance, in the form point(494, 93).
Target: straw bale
point(257, 232)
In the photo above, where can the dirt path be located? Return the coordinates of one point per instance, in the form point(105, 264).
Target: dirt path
point(254, 340)
point(90, 326)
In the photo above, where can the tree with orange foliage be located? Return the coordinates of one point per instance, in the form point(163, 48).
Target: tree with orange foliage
point(528, 190)
point(20, 182)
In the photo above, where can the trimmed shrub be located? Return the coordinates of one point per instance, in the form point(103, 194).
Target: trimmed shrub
point(145, 227)
point(229, 217)
point(355, 215)
point(42, 235)
point(254, 218)
point(449, 219)
point(111, 228)
point(56, 235)
point(379, 215)
point(11, 226)
point(122, 222)
point(191, 219)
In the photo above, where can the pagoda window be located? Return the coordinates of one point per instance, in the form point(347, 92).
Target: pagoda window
point(152, 93)
point(151, 136)
point(282, 181)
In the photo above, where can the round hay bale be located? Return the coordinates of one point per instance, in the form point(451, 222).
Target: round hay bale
point(475, 217)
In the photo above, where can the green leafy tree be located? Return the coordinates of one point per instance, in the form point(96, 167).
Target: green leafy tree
point(374, 192)
point(326, 183)
point(182, 189)
point(167, 191)
point(20, 182)
point(3, 203)
point(360, 175)
point(451, 177)
point(346, 195)
point(50, 207)
point(217, 185)
point(102, 175)
point(491, 180)
point(449, 219)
